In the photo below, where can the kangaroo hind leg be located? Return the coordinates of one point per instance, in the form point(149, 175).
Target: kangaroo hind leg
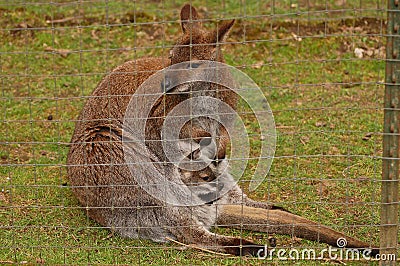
point(281, 222)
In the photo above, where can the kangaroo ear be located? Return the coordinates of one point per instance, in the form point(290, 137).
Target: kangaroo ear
point(188, 14)
point(221, 32)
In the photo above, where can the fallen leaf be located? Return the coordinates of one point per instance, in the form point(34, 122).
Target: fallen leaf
point(258, 65)
point(23, 25)
point(94, 35)
point(333, 150)
point(304, 140)
point(63, 20)
point(297, 38)
point(325, 187)
point(296, 240)
point(362, 179)
point(340, 2)
point(3, 197)
point(367, 136)
point(40, 261)
point(63, 52)
point(359, 52)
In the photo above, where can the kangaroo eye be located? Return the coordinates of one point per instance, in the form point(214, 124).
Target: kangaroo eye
point(194, 65)
point(216, 162)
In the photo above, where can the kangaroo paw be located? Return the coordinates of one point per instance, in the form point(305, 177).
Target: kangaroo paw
point(242, 247)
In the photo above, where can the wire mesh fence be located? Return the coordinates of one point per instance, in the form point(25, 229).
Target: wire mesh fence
point(320, 65)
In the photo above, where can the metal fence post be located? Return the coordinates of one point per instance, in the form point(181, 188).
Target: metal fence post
point(391, 138)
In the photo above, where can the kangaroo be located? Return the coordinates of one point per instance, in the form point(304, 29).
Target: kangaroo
point(103, 184)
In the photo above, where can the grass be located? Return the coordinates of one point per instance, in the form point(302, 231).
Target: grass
point(327, 106)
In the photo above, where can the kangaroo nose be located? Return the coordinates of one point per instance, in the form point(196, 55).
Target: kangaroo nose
point(165, 84)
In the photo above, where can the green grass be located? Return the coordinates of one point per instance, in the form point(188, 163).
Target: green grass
point(327, 106)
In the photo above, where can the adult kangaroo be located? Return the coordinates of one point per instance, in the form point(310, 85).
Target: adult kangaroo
point(108, 188)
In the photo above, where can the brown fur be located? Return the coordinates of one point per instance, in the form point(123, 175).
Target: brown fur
point(103, 183)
